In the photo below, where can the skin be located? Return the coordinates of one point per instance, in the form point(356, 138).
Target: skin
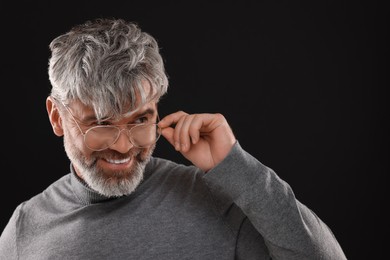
point(204, 139)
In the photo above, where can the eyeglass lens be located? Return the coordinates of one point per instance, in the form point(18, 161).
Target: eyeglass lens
point(101, 137)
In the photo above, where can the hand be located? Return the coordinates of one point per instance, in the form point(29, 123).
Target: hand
point(204, 139)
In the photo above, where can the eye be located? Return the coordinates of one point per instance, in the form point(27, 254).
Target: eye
point(102, 123)
point(141, 120)
point(88, 124)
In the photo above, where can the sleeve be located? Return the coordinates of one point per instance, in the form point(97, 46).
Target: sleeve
point(8, 238)
point(289, 229)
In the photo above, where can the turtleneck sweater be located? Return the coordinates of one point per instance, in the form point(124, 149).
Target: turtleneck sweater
point(241, 209)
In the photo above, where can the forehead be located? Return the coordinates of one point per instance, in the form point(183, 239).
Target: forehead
point(86, 113)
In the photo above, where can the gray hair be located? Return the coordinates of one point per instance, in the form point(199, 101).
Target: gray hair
point(102, 64)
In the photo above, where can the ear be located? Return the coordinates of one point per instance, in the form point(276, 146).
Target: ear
point(54, 116)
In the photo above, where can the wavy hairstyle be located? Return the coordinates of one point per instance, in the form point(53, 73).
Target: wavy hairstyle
point(102, 63)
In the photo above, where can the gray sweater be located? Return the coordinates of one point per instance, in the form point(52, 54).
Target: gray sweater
point(239, 210)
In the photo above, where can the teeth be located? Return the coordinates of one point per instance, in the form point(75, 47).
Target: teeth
point(118, 161)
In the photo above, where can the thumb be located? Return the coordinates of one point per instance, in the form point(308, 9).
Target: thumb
point(168, 134)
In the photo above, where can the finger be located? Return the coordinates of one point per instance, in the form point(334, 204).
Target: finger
point(184, 134)
point(168, 134)
point(171, 119)
point(177, 132)
point(205, 123)
point(194, 130)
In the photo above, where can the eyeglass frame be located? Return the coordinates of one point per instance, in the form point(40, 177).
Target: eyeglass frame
point(113, 126)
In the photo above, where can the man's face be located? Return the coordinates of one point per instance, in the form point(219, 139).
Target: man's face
point(114, 171)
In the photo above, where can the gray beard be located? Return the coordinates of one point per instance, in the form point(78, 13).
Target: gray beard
point(124, 186)
point(108, 187)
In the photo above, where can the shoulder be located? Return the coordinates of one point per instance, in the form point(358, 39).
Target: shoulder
point(184, 180)
point(44, 199)
point(170, 171)
point(166, 164)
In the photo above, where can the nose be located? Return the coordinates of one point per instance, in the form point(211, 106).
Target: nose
point(123, 143)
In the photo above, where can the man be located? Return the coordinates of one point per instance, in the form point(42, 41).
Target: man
point(120, 202)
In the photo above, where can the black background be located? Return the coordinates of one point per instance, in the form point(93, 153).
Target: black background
point(302, 83)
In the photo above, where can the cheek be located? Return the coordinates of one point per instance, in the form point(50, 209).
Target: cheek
point(76, 141)
point(79, 143)
point(86, 153)
point(146, 153)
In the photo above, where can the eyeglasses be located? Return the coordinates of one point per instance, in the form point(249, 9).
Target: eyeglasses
point(101, 137)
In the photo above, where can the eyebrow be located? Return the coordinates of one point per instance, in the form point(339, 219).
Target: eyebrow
point(148, 111)
point(135, 114)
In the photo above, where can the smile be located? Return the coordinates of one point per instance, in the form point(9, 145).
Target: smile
point(126, 160)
